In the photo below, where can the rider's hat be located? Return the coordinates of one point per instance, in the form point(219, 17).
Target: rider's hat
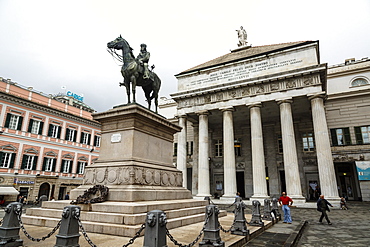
point(143, 45)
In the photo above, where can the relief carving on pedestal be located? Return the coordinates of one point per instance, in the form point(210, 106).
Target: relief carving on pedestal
point(132, 175)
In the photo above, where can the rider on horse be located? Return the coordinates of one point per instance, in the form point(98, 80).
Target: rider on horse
point(143, 59)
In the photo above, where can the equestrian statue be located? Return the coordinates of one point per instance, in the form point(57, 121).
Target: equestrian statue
point(136, 71)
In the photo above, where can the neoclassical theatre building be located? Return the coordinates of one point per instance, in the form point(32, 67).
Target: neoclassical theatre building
point(254, 121)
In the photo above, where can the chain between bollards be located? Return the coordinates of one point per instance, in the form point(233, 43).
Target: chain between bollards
point(36, 239)
point(137, 234)
point(231, 227)
point(194, 241)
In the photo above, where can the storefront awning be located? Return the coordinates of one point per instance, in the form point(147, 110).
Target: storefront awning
point(6, 191)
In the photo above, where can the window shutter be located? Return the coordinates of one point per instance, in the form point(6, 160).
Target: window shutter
point(75, 135)
point(24, 160)
point(78, 167)
point(82, 136)
point(50, 131)
point(58, 135)
point(34, 163)
point(347, 136)
point(95, 139)
point(41, 127)
point(7, 121)
point(12, 159)
point(70, 167)
point(30, 125)
point(44, 164)
point(67, 134)
point(88, 139)
point(20, 120)
point(1, 157)
point(53, 165)
point(358, 135)
point(334, 137)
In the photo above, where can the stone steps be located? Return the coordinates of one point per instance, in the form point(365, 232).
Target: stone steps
point(120, 218)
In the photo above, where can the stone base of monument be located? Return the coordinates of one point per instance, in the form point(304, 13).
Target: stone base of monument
point(120, 218)
point(136, 164)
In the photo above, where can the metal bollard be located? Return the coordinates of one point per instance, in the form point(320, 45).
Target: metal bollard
point(275, 208)
point(240, 226)
point(69, 229)
point(256, 215)
point(212, 231)
point(9, 231)
point(155, 229)
point(267, 210)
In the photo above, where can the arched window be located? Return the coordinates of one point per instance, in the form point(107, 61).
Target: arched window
point(359, 81)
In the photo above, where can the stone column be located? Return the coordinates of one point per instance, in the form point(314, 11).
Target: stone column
point(328, 182)
point(181, 150)
point(229, 154)
point(292, 177)
point(195, 176)
point(203, 168)
point(258, 156)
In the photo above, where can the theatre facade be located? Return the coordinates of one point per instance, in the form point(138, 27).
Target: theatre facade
point(257, 124)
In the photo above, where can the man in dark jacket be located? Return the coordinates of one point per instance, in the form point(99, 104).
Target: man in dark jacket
point(323, 206)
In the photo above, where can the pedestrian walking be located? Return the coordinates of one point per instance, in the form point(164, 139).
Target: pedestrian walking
point(323, 206)
point(66, 197)
point(286, 202)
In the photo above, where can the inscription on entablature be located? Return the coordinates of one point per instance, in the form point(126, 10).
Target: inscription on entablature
point(251, 90)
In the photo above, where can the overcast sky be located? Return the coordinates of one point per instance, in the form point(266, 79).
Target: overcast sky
point(49, 44)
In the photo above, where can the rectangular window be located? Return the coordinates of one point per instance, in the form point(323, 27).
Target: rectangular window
point(362, 135)
point(97, 141)
point(238, 147)
point(49, 164)
point(175, 149)
point(308, 142)
point(6, 160)
point(280, 144)
point(189, 148)
point(54, 131)
point(13, 121)
point(340, 136)
point(67, 166)
point(70, 135)
point(35, 127)
point(81, 167)
point(29, 162)
point(219, 148)
point(85, 138)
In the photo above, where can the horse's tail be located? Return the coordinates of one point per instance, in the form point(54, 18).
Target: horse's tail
point(156, 86)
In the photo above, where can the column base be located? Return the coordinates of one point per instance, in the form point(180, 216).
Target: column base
point(298, 199)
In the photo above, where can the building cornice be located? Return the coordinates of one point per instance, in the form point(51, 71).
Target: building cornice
point(33, 105)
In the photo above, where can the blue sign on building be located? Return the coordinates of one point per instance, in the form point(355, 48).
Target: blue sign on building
point(76, 96)
point(363, 170)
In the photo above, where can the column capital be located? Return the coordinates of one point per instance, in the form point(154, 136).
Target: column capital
point(227, 108)
point(181, 116)
point(321, 95)
point(285, 100)
point(204, 112)
point(255, 104)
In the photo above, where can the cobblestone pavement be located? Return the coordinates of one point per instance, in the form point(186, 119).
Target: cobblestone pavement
point(349, 228)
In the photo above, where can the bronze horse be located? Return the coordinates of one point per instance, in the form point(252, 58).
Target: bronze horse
point(132, 72)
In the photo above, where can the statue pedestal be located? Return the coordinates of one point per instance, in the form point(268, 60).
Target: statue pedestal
point(135, 160)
